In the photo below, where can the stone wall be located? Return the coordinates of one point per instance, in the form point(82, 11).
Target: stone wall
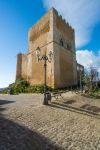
point(19, 66)
point(65, 73)
point(40, 35)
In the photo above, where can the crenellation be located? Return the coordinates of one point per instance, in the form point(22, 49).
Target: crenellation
point(61, 17)
point(64, 20)
point(65, 23)
point(54, 11)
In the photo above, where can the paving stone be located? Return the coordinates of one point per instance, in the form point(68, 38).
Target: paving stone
point(26, 124)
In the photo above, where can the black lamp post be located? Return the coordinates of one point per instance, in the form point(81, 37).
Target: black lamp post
point(45, 58)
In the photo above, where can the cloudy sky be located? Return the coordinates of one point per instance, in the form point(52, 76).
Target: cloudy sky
point(83, 15)
point(17, 16)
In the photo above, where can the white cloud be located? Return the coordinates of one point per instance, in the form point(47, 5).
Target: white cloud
point(81, 14)
point(88, 58)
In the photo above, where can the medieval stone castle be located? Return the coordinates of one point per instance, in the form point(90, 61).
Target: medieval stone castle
point(50, 33)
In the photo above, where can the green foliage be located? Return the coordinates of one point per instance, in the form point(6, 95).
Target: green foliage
point(87, 83)
point(22, 86)
point(4, 92)
point(18, 87)
point(11, 85)
point(95, 94)
point(35, 89)
point(21, 83)
point(90, 88)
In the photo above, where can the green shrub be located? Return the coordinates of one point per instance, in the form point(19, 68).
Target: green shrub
point(22, 86)
point(35, 89)
point(4, 92)
point(21, 83)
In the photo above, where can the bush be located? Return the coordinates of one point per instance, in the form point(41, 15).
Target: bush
point(35, 89)
point(21, 83)
point(4, 92)
point(22, 86)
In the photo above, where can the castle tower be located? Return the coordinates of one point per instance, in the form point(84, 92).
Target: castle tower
point(50, 33)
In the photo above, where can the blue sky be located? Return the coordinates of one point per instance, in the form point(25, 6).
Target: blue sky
point(17, 16)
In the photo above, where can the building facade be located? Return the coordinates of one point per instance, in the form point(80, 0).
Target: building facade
point(50, 33)
point(80, 74)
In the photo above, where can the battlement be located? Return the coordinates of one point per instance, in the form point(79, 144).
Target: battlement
point(61, 18)
point(46, 18)
point(44, 28)
point(65, 23)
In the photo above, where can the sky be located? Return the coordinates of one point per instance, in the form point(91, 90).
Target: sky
point(17, 16)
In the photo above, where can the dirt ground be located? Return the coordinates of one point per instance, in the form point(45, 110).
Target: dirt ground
point(71, 122)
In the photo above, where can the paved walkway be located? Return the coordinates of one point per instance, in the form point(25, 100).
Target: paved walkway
point(71, 123)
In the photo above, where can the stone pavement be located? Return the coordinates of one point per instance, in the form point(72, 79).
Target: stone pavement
point(71, 123)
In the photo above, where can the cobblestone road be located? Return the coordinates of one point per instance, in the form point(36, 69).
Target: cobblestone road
point(72, 123)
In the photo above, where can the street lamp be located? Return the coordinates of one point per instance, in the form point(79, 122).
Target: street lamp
point(45, 58)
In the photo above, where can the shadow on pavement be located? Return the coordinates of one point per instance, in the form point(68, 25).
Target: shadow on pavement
point(75, 109)
point(91, 108)
point(14, 136)
point(2, 102)
point(2, 109)
point(70, 102)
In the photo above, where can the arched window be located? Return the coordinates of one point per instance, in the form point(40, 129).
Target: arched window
point(61, 42)
point(69, 46)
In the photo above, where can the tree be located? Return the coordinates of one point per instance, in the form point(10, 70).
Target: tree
point(91, 79)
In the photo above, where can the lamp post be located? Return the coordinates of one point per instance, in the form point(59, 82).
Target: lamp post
point(45, 58)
